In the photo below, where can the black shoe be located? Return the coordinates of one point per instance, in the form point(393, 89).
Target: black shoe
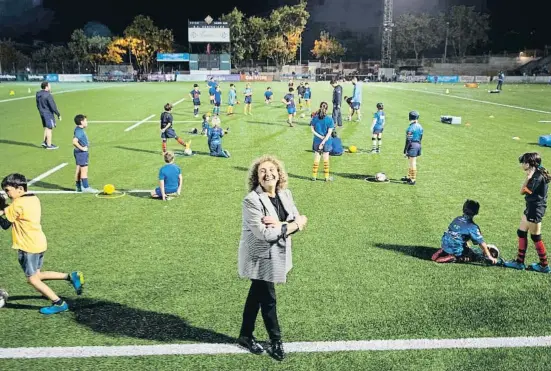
point(276, 350)
point(250, 344)
point(405, 179)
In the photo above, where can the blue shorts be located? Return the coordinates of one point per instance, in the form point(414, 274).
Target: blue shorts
point(31, 263)
point(328, 147)
point(217, 104)
point(306, 97)
point(291, 110)
point(248, 100)
point(48, 122)
point(414, 150)
point(356, 105)
point(169, 133)
point(81, 158)
point(196, 102)
point(167, 191)
point(378, 130)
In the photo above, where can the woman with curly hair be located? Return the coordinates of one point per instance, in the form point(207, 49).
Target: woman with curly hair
point(270, 217)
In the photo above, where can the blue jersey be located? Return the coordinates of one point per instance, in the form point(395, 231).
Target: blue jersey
point(379, 118)
point(290, 98)
point(82, 138)
point(232, 97)
point(268, 95)
point(501, 77)
point(195, 94)
point(357, 96)
point(215, 135)
point(211, 83)
point(321, 126)
point(248, 92)
point(212, 90)
point(205, 126)
point(170, 173)
point(459, 232)
point(307, 93)
point(218, 96)
point(414, 132)
point(166, 118)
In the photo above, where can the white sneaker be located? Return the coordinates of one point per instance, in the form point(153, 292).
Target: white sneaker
point(89, 190)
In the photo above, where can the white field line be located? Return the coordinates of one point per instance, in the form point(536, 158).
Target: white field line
point(82, 193)
point(178, 102)
point(545, 121)
point(468, 99)
point(139, 123)
point(47, 173)
point(129, 121)
point(62, 92)
point(302, 347)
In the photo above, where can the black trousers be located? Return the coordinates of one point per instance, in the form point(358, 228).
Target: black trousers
point(337, 117)
point(261, 296)
point(499, 85)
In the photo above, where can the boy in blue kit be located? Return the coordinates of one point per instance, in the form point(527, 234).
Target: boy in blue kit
point(170, 179)
point(356, 99)
point(24, 214)
point(377, 128)
point(289, 101)
point(205, 126)
point(337, 148)
point(80, 142)
point(307, 96)
point(212, 93)
point(217, 100)
point(455, 240)
point(167, 128)
point(248, 99)
point(268, 95)
point(412, 149)
point(195, 95)
point(232, 99)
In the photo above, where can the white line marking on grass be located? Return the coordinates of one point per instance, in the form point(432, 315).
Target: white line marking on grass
point(469, 99)
point(301, 347)
point(129, 121)
point(47, 173)
point(178, 102)
point(61, 92)
point(83, 193)
point(545, 121)
point(139, 123)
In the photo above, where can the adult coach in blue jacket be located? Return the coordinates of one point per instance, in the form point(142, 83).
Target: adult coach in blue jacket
point(47, 109)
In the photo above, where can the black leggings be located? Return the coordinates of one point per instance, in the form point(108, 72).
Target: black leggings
point(261, 296)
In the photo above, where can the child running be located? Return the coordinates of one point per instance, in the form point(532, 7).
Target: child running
point(534, 189)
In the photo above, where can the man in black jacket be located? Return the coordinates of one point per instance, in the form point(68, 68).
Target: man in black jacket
point(47, 108)
point(337, 100)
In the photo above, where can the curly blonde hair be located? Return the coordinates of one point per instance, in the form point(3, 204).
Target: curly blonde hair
point(253, 172)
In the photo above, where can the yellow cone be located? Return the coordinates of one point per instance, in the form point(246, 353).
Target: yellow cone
point(12, 93)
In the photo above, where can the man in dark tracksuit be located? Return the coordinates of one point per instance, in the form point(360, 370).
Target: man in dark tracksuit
point(337, 100)
point(47, 108)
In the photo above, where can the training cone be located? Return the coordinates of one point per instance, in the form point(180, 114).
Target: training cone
point(447, 91)
point(12, 93)
point(29, 91)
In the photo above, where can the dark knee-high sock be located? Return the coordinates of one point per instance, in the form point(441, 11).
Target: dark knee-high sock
point(522, 245)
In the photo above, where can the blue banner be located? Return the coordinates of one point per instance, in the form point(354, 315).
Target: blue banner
point(52, 77)
point(443, 79)
point(172, 57)
point(225, 77)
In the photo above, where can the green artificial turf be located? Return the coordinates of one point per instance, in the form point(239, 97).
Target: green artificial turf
point(166, 272)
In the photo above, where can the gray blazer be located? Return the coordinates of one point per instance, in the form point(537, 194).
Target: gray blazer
point(265, 253)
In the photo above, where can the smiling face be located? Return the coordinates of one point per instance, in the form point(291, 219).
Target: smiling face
point(268, 175)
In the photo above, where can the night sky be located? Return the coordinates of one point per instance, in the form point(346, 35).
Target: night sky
point(514, 27)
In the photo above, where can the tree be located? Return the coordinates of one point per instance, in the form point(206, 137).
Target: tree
point(79, 47)
point(97, 49)
point(327, 47)
point(240, 45)
point(146, 40)
point(257, 31)
point(467, 28)
point(116, 50)
point(416, 33)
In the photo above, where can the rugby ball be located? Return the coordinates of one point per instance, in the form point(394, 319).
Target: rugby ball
point(381, 177)
point(3, 297)
point(494, 251)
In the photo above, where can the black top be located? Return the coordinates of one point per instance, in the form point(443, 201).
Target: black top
point(281, 213)
point(337, 95)
point(536, 190)
point(166, 118)
point(45, 104)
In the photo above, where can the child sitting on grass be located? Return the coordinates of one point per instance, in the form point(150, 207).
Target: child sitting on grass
point(170, 179)
point(455, 240)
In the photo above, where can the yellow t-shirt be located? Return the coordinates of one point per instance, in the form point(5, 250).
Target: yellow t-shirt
point(24, 214)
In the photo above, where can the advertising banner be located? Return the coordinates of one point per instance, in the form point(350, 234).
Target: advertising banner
point(233, 78)
point(256, 77)
point(213, 32)
point(35, 77)
point(443, 79)
point(52, 77)
point(75, 78)
point(161, 77)
point(172, 57)
point(9, 77)
point(467, 79)
point(192, 78)
point(482, 79)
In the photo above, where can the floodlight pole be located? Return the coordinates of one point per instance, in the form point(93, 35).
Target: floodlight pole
point(446, 44)
point(386, 45)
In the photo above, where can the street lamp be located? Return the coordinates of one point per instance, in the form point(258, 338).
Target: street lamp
point(446, 44)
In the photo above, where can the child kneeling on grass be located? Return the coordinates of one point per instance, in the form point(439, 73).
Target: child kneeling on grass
point(455, 240)
point(29, 240)
point(170, 179)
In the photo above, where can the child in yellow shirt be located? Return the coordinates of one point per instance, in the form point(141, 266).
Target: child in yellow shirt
point(29, 240)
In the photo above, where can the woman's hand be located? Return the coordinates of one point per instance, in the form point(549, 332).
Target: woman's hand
point(301, 220)
point(270, 221)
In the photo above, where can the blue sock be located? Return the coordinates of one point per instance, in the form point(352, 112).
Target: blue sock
point(78, 184)
point(85, 182)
